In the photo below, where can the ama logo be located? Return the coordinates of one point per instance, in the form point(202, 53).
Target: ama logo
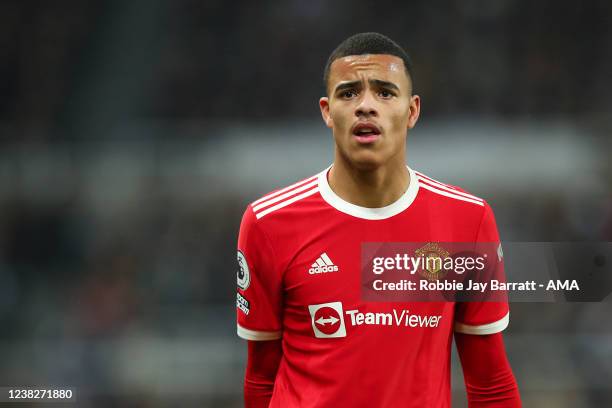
point(327, 320)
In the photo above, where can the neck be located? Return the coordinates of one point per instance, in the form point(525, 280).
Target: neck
point(372, 188)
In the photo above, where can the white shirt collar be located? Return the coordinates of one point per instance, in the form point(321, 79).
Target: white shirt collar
point(381, 213)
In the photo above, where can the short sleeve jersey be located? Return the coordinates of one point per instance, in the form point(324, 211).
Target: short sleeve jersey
point(299, 281)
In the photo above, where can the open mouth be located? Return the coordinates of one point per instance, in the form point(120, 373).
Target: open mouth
point(366, 132)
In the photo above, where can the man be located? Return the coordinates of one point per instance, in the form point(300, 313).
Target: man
point(299, 262)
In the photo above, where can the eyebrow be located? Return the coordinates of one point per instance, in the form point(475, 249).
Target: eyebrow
point(347, 85)
point(374, 82)
point(383, 84)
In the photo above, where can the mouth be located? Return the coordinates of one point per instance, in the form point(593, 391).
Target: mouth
point(366, 132)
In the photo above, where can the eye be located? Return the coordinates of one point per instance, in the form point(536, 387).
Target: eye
point(348, 94)
point(386, 94)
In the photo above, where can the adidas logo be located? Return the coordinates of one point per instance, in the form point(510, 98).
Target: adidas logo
point(323, 265)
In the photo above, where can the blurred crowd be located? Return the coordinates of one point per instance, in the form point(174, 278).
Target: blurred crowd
point(69, 68)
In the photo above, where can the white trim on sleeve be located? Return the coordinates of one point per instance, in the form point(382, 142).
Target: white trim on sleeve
point(489, 328)
point(257, 335)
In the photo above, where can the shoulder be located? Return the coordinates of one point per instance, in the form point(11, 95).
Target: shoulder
point(448, 193)
point(293, 196)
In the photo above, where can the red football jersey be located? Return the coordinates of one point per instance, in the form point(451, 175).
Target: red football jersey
point(299, 280)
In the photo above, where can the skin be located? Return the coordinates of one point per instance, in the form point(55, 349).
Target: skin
point(371, 88)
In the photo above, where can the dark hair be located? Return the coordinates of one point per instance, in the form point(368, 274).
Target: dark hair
point(367, 43)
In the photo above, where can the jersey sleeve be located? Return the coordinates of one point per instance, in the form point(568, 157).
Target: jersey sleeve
point(485, 317)
point(259, 297)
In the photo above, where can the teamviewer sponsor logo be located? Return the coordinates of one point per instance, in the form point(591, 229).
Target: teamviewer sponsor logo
point(327, 320)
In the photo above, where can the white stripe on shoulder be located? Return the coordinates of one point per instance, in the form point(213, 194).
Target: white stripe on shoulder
point(285, 203)
point(444, 186)
point(449, 189)
point(425, 176)
point(256, 334)
point(286, 195)
point(281, 191)
point(451, 195)
point(490, 328)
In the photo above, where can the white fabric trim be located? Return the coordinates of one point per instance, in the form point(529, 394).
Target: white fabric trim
point(276, 199)
point(489, 328)
point(441, 186)
point(256, 334)
point(450, 195)
point(286, 203)
point(274, 194)
point(369, 213)
point(425, 176)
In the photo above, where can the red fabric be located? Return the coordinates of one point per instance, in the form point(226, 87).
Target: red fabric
point(262, 365)
point(300, 277)
point(488, 376)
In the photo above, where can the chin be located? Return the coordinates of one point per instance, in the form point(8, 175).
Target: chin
point(366, 160)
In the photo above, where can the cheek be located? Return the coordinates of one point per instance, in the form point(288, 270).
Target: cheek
point(341, 121)
point(400, 119)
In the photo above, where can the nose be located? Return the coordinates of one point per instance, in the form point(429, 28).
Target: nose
point(366, 106)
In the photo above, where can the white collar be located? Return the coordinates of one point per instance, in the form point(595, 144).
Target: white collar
point(380, 213)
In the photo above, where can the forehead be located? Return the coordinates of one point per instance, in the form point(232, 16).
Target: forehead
point(381, 66)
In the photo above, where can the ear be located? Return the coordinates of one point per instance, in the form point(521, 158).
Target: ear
point(324, 105)
point(415, 110)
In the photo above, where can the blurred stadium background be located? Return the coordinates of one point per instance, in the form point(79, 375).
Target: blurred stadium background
point(133, 135)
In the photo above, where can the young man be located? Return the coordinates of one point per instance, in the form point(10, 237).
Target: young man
point(299, 262)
